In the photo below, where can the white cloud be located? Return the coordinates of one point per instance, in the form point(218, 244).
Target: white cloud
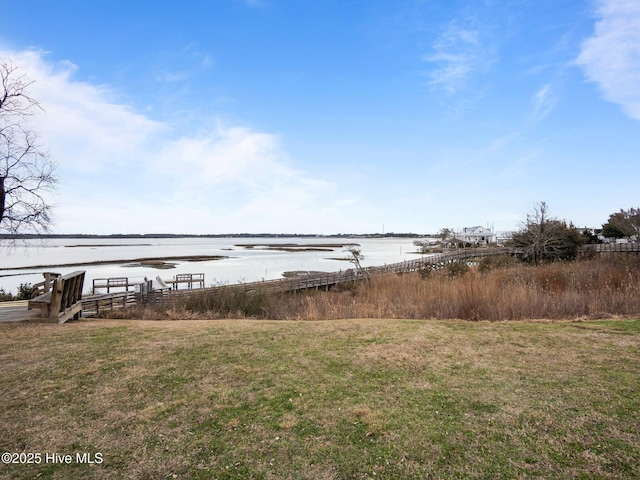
point(458, 53)
point(611, 57)
point(122, 171)
point(83, 123)
point(225, 153)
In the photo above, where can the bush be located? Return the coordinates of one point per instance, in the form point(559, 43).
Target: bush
point(495, 261)
point(458, 268)
point(228, 301)
point(4, 296)
point(25, 291)
point(606, 287)
point(425, 271)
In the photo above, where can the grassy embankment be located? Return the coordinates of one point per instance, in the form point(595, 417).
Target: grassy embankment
point(403, 399)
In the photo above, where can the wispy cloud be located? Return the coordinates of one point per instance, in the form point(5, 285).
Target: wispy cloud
point(179, 66)
point(458, 53)
point(202, 58)
point(543, 102)
point(611, 57)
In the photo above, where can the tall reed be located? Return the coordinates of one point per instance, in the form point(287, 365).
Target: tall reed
point(602, 287)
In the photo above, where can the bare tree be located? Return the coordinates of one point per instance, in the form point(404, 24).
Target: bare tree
point(26, 171)
point(544, 238)
point(447, 234)
point(356, 257)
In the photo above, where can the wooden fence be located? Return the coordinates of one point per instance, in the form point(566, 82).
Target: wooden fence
point(630, 247)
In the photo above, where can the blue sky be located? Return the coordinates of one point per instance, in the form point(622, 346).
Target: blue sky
point(332, 116)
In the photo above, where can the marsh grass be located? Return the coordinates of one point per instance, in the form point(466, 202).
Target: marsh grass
point(495, 289)
point(228, 301)
point(323, 400)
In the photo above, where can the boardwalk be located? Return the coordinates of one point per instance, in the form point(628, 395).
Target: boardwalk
point(631, 247)
point(324, 281)
point(93, 304)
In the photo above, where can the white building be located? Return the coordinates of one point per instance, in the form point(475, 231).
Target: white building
point(504, 236)
point(477, 235)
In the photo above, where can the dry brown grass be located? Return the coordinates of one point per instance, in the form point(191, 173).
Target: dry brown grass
point(598, 288)
point(606, 287)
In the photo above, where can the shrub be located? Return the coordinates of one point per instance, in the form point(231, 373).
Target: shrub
point(227, 301)
point(4, 296)
point(607, 286)
point(25, 291)
point(495, 261)
point(458, 268)
point(425, 270)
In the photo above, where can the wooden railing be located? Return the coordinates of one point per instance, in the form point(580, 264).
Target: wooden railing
point(189, 280)
point(64, 300)
point(94, 304)
point(45, 286)
point(633, 247)
point(146, 294)
point(434, 261)
point(325, 281)
point(113, 283)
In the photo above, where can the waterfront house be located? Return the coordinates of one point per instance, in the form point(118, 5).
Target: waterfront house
point(477, 235)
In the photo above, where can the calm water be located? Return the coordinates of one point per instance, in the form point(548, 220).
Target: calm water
point(26, 261)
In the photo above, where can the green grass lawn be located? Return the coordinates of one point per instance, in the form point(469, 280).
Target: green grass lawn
point(322, 400)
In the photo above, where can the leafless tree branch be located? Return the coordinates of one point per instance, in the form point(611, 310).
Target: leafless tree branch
point(26, 170)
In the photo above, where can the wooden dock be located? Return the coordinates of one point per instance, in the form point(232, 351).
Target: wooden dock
point(325, 281)
point(144, 293)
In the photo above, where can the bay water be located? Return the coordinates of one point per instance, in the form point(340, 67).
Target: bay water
point(244, 259)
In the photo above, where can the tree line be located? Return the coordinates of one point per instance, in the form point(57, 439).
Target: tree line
point(544, 238)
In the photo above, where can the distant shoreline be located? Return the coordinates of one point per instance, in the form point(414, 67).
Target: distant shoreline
point(221, 235)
